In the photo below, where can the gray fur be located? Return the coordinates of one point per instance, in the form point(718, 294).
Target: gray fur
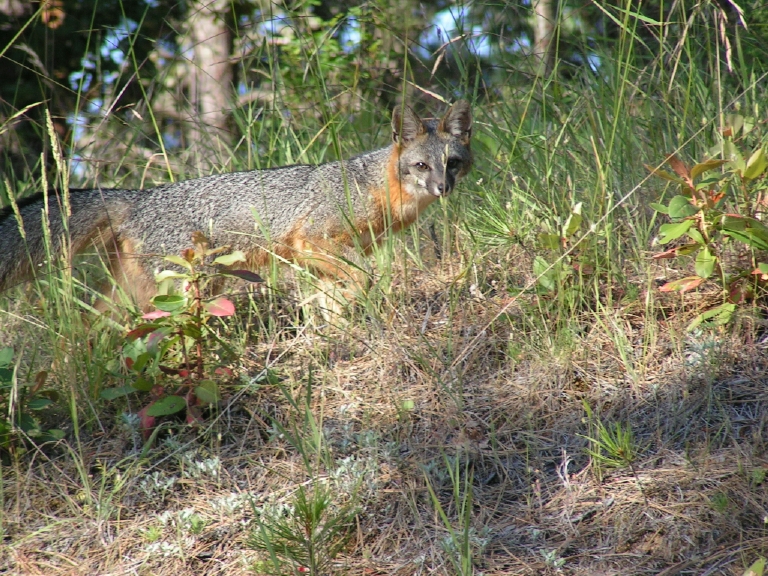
point(326, 205)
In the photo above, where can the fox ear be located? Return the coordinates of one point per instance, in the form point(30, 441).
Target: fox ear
point(406, 125)
point(458, 121)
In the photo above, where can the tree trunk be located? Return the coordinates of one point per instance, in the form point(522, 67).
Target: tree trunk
point(544, 32)
point(212, 74)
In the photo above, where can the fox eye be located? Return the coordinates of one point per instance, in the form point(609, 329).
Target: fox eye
point(421, 166)
point(453, 163)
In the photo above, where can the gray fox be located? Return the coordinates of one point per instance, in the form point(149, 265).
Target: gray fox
point(312, 215)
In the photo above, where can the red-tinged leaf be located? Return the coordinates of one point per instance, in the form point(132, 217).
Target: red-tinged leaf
point(184, 373)
point(739, 293)
point(674, 252)
point(246, 275)
point(129, 363)
point(682, 285)
point(727, 132)
point(666, 254)
point(188, 254)
point(200, 240)
point(155, 314)
point(155, 338)
point(194, 416)
point(168, 370)
point(141, 331)
point(224, 371)
point(663, 174)
point(680, 168)
point(40, 379)
point(762, 271)
point(715, 196)
point(146, 422)
point(584, 268)
point(220, 307)
point(166, 406)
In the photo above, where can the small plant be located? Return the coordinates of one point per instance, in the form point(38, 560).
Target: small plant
point(463, 544)
point(166, 356)
point(152, 534)
point(714, 212)
point(720, 502)
point(553, 559)
point(307, 534)
point(554, 276)
point(20, 401)
point(612, 446)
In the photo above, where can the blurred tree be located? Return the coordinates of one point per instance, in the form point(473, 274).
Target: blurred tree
point(152, 75)
point(61, 54)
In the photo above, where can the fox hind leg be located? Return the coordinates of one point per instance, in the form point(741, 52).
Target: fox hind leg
point(130, 277)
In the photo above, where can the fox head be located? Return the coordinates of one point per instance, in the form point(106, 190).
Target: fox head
point(433, 154)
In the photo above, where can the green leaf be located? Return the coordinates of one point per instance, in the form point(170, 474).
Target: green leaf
point(53, 435)
point(757, 568)
point(114, 393)
point(756, 164)
point(659, 207)
point(166, 406)
point(6, 375)
point(747, 230)
point(544, 276)
point(673, 231)
point(733, 155)
point(705, 167)
point(549, 241)
point(208, 392)
point(39, 403)
point(169, 274)
point(735, 122)
point(6, 356)
point(141, 361)
point(705, 262)
point(28, 424)
point(696, 236)
point(153, 342)
point(179, 261)
point(229, 259)
point(749, 124)
point(573, 223)
point(169, 302)
point(681, 207)
point(141, 385)
point(716, 316)
point(191, 331)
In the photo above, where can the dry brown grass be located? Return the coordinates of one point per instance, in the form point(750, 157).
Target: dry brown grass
point(512, 412)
